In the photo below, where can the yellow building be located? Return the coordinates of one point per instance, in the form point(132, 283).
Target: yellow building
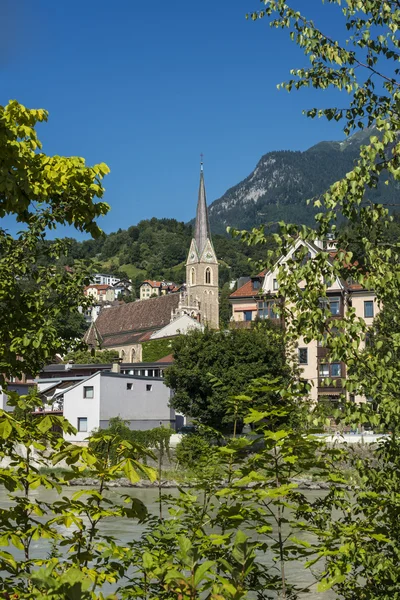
point(258, 297)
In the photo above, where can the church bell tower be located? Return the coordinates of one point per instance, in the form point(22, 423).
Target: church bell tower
point(202, 265)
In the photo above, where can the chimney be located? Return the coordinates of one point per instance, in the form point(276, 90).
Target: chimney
point(116, 365)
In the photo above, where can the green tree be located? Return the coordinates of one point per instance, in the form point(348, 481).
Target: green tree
point(71, 326)
point(225, 309)
point(234, 357)
point(40, 192)
point(359, 544)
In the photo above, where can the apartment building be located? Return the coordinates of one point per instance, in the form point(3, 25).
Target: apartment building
point(255, 300)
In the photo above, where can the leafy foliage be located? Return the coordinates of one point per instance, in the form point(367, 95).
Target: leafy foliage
point(191, 449)
point(153, 350)
point(233, 359)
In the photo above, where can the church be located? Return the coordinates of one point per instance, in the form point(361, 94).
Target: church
point(125, 327)
point(201, 299)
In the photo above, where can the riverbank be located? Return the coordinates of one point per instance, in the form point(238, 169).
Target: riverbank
point(302, 484)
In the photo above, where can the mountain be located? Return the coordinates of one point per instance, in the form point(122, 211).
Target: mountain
point(282, 181)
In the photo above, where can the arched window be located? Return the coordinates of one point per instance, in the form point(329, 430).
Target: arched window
point(133, 354)
point(122, 354)
point(192, 276)
point(208, 275)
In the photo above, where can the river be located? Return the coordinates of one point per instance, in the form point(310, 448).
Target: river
point(126, 530)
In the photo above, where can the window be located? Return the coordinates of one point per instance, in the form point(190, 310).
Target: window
point(324, 370)
point(336, 370)
point(275, 284)
point(334, 306)
point(192, 276)
point(368, 309)
point(208, 275)
point(266, 310)
point(82, 424)
point(256, 284)
point(330, 370)
point(303, 356)
point(149, 387)
point(129, 386)
point(88, 391)
point(247, 314)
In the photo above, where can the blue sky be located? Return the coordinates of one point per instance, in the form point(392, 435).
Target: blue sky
point(147, 86)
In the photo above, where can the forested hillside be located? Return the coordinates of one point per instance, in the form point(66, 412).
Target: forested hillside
point(157, 249)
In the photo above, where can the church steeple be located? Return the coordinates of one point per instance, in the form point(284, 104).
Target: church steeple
point(202, 268)
point(202, 226)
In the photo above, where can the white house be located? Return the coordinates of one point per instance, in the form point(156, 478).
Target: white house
point(89, 403)
point(105, 279)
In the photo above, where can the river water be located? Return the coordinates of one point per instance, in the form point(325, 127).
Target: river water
point(126, 530)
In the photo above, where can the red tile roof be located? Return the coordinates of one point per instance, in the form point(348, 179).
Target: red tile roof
point(99, 286)
point(166, 359)
point(247, 290)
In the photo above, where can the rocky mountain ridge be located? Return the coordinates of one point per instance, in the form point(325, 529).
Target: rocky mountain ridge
point(282, 181)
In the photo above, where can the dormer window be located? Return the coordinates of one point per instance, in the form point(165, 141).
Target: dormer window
point(256, 284)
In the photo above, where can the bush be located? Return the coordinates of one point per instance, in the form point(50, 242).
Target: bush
point(191, 449)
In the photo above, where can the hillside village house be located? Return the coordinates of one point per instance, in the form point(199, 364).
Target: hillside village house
point(257, 299)
point(151, 288)
point(100, 292)
point(104, 279)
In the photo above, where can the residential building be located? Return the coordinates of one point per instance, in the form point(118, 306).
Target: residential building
point(100, 292)
point(104, 279)
point(88, 401)
point(313, 357)
point(244, 300)
point(151, 288)
point(122, 287)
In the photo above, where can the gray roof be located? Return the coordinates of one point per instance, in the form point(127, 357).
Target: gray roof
point(202, 226)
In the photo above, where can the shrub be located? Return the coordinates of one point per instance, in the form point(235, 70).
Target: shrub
point(191, 449)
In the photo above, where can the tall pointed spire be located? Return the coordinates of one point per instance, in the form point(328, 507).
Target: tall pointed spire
point(202, 226)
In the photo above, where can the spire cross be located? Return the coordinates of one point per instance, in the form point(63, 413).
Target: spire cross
point(201, 161)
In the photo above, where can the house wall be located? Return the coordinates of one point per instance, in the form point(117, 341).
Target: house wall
point(310, 370)
point(109, 295)
point(240, 306)
point(358, 299)
point(146, 290)
point(144, 409)
point(75, 405)
point(4, 402)
point(93, 292)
